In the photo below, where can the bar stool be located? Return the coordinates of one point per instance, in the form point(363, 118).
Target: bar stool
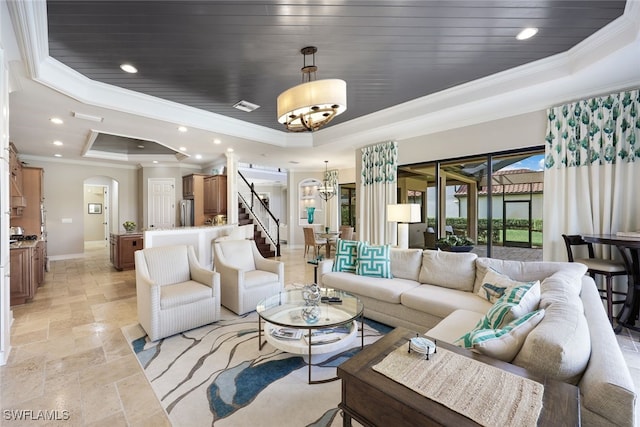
point(605, 267)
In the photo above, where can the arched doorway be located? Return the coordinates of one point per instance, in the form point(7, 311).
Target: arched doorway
point(101, 211)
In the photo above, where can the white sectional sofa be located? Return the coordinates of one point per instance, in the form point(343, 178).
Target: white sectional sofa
point(435, 292)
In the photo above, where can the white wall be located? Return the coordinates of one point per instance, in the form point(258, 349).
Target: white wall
point(5, 285)
point(64, 190)
point(525, 130)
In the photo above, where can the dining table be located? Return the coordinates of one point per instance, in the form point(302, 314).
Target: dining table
point(629, 247)
point(330, 236)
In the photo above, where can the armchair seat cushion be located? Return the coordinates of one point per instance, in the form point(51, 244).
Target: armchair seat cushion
point(183, 293)
point(255, 278)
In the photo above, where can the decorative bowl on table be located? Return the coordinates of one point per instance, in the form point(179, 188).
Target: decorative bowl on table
point(129, 226)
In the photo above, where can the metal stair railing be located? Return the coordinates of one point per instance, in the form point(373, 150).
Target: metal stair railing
point(259, 211)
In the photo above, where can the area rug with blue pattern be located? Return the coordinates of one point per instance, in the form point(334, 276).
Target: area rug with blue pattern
point(216, 376)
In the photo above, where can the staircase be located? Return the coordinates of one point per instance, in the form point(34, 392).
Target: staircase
point(261, 242)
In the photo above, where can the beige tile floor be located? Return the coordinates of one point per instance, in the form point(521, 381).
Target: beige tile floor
point(70, 355)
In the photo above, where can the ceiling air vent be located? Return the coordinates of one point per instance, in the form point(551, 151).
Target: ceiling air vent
point(245, 106)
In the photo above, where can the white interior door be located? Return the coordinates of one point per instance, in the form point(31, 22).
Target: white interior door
point(162, 196)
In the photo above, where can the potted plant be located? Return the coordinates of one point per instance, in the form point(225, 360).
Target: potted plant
point(454, 243)
point(129, 226)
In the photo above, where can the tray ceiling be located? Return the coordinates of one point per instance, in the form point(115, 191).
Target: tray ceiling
point(212, 54)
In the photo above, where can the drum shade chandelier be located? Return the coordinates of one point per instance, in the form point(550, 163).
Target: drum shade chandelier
point(314, 103)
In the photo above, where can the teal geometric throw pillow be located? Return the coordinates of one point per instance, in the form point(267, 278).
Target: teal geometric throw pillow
point(374, 261)
point(346, 256)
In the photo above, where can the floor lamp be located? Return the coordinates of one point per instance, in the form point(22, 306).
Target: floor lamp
point(403, 214)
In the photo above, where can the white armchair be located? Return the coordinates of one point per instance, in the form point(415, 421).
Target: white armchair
point(174, 292)
point(246, 277)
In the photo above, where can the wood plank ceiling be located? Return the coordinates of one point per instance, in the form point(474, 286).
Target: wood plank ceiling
point(212, 54)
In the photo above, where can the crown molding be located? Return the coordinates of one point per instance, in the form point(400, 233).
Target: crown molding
point(86, 162)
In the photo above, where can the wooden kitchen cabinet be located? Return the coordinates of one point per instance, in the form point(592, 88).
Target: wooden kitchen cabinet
point(32, 217)
point(17, 202)
point(27, 270)
point(122, 249)
point(215, 195)
point(21, 284)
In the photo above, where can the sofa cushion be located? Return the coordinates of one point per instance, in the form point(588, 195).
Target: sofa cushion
point(563, 338)
point(237, 254)
point(454, 270)
point(255, 278)
point(454, 325)
point(164, 273)
point(561, 288)
point(387, 290)
point(183, 293)
point(406, 263)
point(346, 257)
point(504, 343)
point(441, 302)
point(528, 271)
point(373, 261)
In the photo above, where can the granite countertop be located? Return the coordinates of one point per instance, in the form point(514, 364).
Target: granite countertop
point(24, 244)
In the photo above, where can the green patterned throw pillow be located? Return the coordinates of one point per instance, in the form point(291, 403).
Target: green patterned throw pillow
point(346, 256)
point(374, 261)
point(505, 343)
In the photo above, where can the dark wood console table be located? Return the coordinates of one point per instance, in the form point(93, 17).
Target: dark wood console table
point(629, 248)
point(375, 400)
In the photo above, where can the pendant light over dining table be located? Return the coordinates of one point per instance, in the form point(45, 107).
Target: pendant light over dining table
point(314, 103)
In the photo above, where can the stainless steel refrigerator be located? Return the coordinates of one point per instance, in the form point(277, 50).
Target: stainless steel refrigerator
point(186, 213)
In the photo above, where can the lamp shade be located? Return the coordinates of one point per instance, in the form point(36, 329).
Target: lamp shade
point(313, 98)
point(405, 212)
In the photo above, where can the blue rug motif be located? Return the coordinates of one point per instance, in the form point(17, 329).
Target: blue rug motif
point(216, 376)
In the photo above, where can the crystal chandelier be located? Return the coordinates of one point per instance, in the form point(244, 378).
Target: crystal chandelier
point(314, 103)
point(327, 191)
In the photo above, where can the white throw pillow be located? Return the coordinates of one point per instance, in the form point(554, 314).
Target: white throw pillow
point(496, 284)
point(503, 344)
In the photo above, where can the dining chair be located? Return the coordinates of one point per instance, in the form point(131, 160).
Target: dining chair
point(310, 240)
point(605, 267)
point(430, 238)
point(346, 233)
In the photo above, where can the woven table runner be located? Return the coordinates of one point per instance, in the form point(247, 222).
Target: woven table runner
point(488, 395)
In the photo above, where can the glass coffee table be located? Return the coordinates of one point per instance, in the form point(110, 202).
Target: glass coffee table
point(294, 326)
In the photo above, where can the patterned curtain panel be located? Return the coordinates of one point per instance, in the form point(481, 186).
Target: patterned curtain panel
point(592, 169)
point(377, 190)
point(333, 204)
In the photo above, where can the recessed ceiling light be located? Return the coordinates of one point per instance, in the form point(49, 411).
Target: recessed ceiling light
point(183, 148)
point(198, 156)
point(58, 143)
point(155, 161)
point(527, 33)
point(182, 129)
point(230, 150)
point(57, 155)
point(128, 68)
point(217, 141)
point(56, 120)
point(140, 146)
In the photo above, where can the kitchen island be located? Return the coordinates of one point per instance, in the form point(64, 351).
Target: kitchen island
point(201, 238)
